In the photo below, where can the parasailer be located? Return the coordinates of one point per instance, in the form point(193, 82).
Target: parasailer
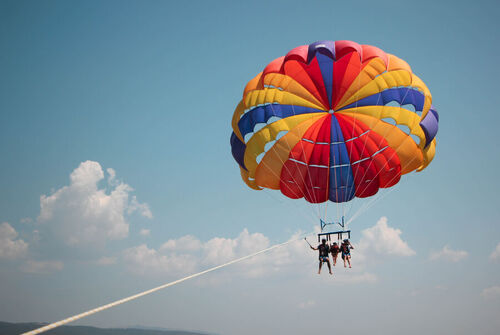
point(324, 255)
point(334, 249)
point(345, 248)
point(333, 121)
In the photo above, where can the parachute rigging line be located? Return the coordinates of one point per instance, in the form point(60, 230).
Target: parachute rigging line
point(373, 201)
point(308, 217)
point(138, 295)
point(379, 195)
point(318, 206)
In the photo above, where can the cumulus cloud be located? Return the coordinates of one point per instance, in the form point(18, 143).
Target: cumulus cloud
point(111, 176)
point(491, 292)
point(188, 255)
point(10, 247)
point(82, 213)
point(145, 232)
point(495, 255)
point(185, 243)
point(447, 254)
point(143, 209)
point(142, 259)
point(41, 267)
point(383, 240)
point(220, 250)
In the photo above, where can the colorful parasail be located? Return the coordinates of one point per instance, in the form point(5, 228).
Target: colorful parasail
point(333, 121)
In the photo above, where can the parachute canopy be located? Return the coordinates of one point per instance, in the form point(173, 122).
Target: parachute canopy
point(333, 121)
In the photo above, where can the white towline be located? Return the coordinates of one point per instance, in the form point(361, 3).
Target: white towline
point(135, 296)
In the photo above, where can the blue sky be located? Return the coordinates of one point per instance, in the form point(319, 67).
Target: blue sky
point(147, 89)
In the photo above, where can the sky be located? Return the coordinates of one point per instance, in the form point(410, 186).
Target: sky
point(117, 176)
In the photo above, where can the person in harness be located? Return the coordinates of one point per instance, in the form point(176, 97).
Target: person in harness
point(324, 251)
point(346, 247)
point(334, 249)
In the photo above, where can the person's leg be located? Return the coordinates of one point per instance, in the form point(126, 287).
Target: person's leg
point(343, 258)
point(320, 264)
point(349, 260)
point(329, 267)
point(335, 259)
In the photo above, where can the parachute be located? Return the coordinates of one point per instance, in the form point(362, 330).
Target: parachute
point(333, 121)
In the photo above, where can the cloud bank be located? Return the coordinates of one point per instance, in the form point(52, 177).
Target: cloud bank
point(495, 255)
point(145, 232)
point(449, 255)
point(10, 247)
point(187, 255)
point(491, 292)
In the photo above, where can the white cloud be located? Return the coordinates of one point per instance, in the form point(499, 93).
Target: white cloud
point(82, 213)
point(220, 250)
point(32, 266)
point(10, 248)
point(495, 255)
point(111, 176)
point(145, 232)
point(185, 243)
point(447, 254)
point(383, 240)
point(188, 255)
point(491, 292)
point(142, 260)
point(143, 209)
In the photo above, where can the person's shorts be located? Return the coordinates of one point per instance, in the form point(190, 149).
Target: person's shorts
point(335, 254)
point(344, 255)
point(323, 259)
